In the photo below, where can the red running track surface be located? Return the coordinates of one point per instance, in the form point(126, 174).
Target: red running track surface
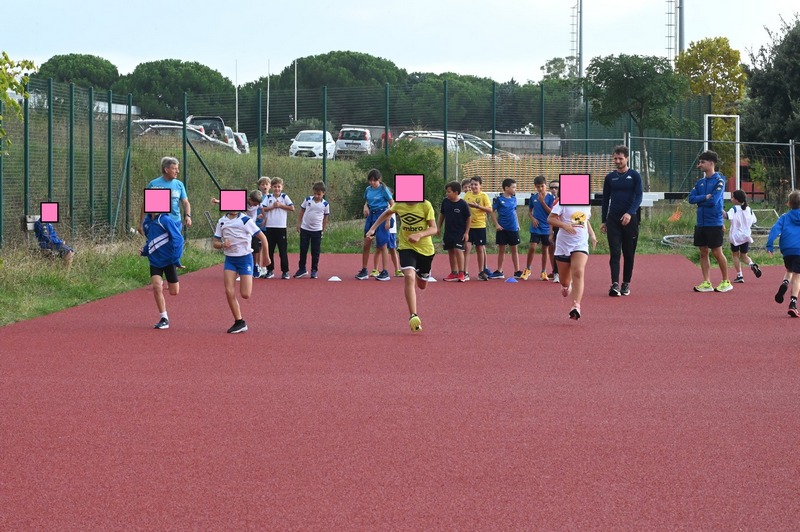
point(667, 409)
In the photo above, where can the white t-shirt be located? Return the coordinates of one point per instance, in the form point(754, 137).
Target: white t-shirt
point(393, 228)
point(276, 218)
point(314, 213)
point(741, 221)
point(578, 218)
point(238, 233)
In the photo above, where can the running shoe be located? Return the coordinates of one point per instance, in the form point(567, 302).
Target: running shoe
point(314, 274)
point(415, 323)
point(556, 279)
point(739, 279)
point(525, 274)
point(518, 274)
point(285, 275)
point(705, 286)
point(257, 273)
point(626, 289)
point(497, 274)
point(239, 326)
point(374, 273)
point(163, 323)
point(575, 312)
point(543, 276)
point(781, 291)
point(724, 286)
point(399, 273)
point(450, 277)
point(270, 274)
point(483, 276)
point(383, 276)
point(793, 310)
point(756, 270)
point(487, 271)
point(362, 274)
point(300, 273)
point(463, 277)
point(614, 290)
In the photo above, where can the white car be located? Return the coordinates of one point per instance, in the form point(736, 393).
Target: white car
point(354, 141)
point(241, 141)
point(308, 143)
point(194, 135)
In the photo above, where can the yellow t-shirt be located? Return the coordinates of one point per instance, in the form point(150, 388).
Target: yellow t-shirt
point(478, 219)
point(414, 218)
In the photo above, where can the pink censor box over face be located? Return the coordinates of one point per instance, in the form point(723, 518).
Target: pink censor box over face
point(575, 189)
point(49, 212)
point(157, 200)
point(409, 187)
point(233, 200)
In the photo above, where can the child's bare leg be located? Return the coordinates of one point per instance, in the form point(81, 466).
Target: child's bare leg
point(408, 287)
point(246, 286)
point(365, 253)
point(158, 292)
point(545, 253)
point(501, 256)
point(737, 265)
point(795, 282)
point(467, 249)
point(174, 288)
point(515, 258)
point(451, 256)
point(395, 259)
point(481, 252)
point(531, 253)
point(384, 252)
point(229, 279)
point(564, 274)
point(460, 260)
point(577, 267)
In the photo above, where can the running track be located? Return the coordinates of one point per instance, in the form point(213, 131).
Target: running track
point(664, 410)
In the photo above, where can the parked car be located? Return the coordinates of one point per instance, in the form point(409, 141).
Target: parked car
point(353, 142)
point(214, 126)
point(241, 141)
point(143, 124)
point(167, 130)
point(308, 143)
point(230, 138)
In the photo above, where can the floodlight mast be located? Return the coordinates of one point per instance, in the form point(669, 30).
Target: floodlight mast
point(706, 118)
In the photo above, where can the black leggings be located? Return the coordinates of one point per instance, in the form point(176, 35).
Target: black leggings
point(277, 237)
point(622, 240)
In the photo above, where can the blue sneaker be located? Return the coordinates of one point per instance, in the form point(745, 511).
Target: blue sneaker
point(300, 273)
point(313, 274)
point(497, 274)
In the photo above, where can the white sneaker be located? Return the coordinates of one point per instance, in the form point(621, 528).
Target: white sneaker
point(556, 279)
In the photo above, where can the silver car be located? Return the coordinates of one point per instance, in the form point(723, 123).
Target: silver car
point(308, 143)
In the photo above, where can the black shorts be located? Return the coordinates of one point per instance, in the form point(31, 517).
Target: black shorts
point(568, 258)
point(255, 243)
point(452, 243)
point(507, 238)
point(741, 248)
point(477, 236)
point(792, 263)
point(410, 259)
point(710, 237)
point(544, 240)
point(170, 272)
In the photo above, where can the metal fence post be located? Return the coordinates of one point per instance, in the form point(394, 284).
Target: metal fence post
point(185, 154)
point(792, 167)
point(541, 117)
point(260, 129)
point(50, 105)
point(91, 157)
point(386, 134)
point(26, 147)
point(1, 178)
point(325, 134)
point(444, 93)
point(494, 117)
point(72, 159)
point(110, 162)
point(128, 164)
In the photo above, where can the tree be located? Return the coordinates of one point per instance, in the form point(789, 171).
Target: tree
point(713, 67)
point(560, 69)
point(81, 69)
point(642, 87)
point(13, 77)
point(158, 88)
point(772, 113)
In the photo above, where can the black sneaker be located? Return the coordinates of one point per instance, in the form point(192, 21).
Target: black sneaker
point(793, 310)
point(239, 326)
point(518, 274)
point(383, 276)
point(781, 291)
point(270, 274)
point(756, 270)
point(362, 274)
point(614, 290)
point(314, 274)
point(483, 276)
point(285, 275)
point(739, 279)
point(300, 273)
point(626, 289)
point(163, 323)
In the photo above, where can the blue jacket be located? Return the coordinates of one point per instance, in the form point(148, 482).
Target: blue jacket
point(621, 193)
point(164, 241)
point(709, 211)
point(788, 229)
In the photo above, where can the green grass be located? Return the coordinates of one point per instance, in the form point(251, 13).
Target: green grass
point(35, 285)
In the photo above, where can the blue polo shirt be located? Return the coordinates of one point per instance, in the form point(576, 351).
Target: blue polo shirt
point(178, 193)
point(506, 212)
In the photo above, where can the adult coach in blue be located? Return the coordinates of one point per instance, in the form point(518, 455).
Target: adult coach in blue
point(169, 179)
point(622, 197)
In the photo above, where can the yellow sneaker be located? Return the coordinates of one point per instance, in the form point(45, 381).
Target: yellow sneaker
point(543, 276)
point(399, 273)
point(724, 286)
point(374, 273)
point(525, 274)
point(415, 323)
point(705, 286)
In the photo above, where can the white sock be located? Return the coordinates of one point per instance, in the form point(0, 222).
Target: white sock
point(164, 315)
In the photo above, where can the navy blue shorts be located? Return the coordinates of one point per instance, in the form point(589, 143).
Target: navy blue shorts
point(381, 233)
point(242, 265)
point(792, 263)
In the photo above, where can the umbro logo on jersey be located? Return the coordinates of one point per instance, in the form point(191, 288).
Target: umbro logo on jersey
point(411, 219)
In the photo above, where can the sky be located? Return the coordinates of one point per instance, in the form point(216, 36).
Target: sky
point(501, 40)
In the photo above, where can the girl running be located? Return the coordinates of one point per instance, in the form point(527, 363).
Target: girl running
point(572, 250)
point(742, 219)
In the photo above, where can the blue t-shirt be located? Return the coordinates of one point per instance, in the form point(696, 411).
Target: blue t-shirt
point(178, 193)
point(506, 212)
point(377, 198)
point(539, 213)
